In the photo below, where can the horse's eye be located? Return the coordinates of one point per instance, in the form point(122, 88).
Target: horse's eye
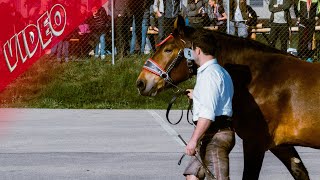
point(168, 51)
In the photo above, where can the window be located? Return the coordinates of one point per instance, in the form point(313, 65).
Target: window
point(256, 3)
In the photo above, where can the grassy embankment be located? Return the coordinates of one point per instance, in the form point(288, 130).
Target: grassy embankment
point(86, 84)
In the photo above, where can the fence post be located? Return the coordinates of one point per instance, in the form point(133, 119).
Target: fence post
point(112, 31)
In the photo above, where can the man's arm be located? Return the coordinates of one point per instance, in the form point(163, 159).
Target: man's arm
point(202, 126)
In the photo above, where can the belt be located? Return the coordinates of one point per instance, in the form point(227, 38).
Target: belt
point(220, 123)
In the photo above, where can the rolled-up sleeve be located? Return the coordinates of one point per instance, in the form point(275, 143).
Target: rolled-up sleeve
point(209, 97)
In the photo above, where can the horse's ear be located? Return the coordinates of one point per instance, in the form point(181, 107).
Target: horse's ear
point(179, 23)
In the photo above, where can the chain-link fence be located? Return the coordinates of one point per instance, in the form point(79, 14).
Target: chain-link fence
point(135, 27)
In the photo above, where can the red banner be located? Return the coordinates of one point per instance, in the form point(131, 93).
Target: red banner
point(24, 38)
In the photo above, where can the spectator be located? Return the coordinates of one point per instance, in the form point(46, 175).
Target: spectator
point(238, 17)
point(140, 22)
point(99, 25)
point(252, 20)
point(194, 11)
point(147, 16)
point(62, 48)
point(84, 33)
point(166, 12)
point(306, 15)
point(280, 21)
point(217, 15)
point(122, 14)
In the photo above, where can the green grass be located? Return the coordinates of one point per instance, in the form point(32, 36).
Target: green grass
point(91, 84)
point(87, 84)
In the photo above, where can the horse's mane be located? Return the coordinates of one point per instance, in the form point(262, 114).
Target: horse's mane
point(232, 41)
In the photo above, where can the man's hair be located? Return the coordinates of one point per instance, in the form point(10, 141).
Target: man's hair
point(205, 40)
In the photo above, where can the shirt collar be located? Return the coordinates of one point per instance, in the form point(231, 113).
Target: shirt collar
point(205, 65)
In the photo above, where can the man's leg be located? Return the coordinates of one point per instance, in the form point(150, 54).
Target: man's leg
point(242, 30)
point(134, 36)
point(217, 154)
point(232, 29)
point(284, 34)
point(273, 34)
point(193, 170)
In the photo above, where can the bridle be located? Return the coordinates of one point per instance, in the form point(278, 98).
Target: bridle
point(153, 67)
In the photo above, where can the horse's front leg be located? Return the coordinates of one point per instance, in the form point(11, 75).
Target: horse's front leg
point(253, 158)
point(291, 159)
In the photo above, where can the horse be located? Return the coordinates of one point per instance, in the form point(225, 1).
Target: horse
point(276, 95)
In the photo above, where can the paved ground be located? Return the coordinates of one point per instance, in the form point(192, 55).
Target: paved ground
point(108, 144)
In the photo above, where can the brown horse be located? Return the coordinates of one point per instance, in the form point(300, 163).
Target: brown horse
point(276, 101)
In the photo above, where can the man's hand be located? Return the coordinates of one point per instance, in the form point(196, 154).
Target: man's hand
point(191, 148)
point(158, 13)
point(190, 93)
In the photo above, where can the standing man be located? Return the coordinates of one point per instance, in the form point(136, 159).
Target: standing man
point(212, 111)
point(307, 14)
point(280, 21)
point(123, 16)
point(166, 11)
point(238, 17)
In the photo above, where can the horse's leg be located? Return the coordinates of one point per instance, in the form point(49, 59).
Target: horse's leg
point(253, 158)
point(291, 159)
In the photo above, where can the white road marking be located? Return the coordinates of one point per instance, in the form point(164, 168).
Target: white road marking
point(166, 127)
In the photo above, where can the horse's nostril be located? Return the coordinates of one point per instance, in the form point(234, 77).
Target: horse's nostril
point(140, 84)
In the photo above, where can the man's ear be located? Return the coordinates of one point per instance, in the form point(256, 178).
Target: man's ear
point(179, 24)
point(198, 50)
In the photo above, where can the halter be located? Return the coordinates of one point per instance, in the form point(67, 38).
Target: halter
point(153, 67)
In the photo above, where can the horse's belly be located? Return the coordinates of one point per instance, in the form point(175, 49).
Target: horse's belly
point(301, 134)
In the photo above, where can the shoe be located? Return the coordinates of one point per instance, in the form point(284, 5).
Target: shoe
point(96, 56)
point(103, 57)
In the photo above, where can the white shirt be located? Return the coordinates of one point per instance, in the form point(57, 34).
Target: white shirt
point(213, 92)
point(279, 16)
point(237, 14)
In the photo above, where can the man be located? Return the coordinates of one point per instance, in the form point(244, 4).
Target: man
point(238, 16)
point(212, 109)
point(123, 16)
point(280, 20)
point(166, 11)
point(98, 25)
point(307, 11)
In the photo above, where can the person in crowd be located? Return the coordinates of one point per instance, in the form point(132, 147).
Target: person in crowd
point(140, 23)
point(62, 47)
point(307, 12)
point(280, 20)
point(83, 33)
point(212, 111)
point(238, 17)
point(146, 21)
point(122, 18)
point(195, 13)
point(166, 11)
point(252, 20)
point(99, 25)
point(217, 15)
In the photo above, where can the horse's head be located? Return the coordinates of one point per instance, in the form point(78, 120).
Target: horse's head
point(167, 66)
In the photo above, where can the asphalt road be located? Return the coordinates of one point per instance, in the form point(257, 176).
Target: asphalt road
point(109, 144)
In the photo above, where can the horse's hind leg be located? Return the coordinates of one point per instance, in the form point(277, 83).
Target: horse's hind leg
point(253, 158)
point(291, 159)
